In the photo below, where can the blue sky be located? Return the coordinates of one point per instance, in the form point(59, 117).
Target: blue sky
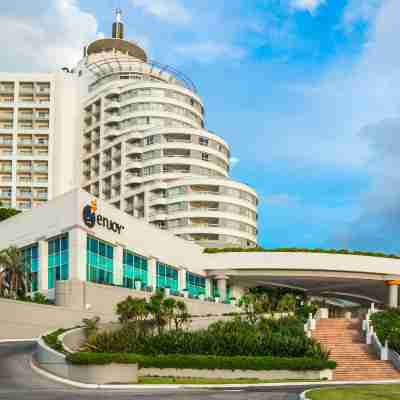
point(305, 91)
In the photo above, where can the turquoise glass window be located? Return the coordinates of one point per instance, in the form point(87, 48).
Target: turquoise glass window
point(58, 260)
point(30, 256)
point(195, 284)
point(100, 261)
point(167, 277)
point(135, 268)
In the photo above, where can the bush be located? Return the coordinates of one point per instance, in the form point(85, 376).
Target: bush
point(277, 338)
point(387, 327)
point(298, 250)
point(52, 340)
point(202, 362)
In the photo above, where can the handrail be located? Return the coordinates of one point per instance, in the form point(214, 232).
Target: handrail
point(371, 338)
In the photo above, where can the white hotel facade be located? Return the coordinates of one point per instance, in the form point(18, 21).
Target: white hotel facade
point(130, 132)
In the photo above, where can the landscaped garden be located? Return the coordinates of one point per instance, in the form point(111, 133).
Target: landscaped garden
point(387, 327)
point(155, 334)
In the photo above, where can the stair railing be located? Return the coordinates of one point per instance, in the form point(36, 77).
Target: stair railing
point(311, 323)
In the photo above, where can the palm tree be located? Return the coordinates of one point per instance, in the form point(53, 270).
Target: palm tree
point(181, 314)
point(168, 306)
point(287, 303)
point(156, 309)
point(14, 273)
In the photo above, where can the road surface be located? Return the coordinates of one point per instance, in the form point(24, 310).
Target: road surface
point(19, 382)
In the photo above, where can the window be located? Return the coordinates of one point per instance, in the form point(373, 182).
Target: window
point(167, 277)
point(58, 260)
point(195, 284)
point(203, 141)
point(204, 156)
point(134, 269)
point(100, 257)
point(30, 256)
point(149, 140)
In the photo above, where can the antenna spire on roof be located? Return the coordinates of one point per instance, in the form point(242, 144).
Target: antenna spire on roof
point(118, 26)
point(118, 15)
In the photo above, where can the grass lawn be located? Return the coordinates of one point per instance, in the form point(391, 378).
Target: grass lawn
point(371, 392)
point(148, 380)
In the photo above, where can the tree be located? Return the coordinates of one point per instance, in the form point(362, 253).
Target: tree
point(287, 303)
point(254, 305)
point(181, 316)
point(132, 309)
point(168, 306)
point(156, 309)
point(6, 213)
point(15, 279)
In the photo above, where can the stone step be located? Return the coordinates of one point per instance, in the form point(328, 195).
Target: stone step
point(355, 360)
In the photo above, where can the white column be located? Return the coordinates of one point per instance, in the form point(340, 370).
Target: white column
point(118, 265)
point(182, 279)
point(152, 271)
point(77, 254)
point(43, 273)
point(208, 287)
point(237, 292)
point(222, 287)
point(393, 296)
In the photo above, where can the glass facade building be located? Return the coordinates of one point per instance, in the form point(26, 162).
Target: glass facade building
point(58, 260)
point(100, 261)
point(167, 277)
point(135, 268)
point(195, 284)
point(30, 256)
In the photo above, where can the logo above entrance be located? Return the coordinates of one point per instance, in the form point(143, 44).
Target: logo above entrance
point(89, 214)
point(90, 218)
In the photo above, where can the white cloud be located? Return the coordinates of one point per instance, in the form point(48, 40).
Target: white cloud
point(207, 52)
point(168, 10)
point(307, 5)
point(357, 11)
point(43, 36)
point(234, 161)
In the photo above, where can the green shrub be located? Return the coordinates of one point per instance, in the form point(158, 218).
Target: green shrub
point(277, 338)
point(298, 250)
point(387, 327)
point(202, 362)
point(52, 340)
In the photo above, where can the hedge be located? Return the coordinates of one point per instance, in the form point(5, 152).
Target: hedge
point(298, 250)
point(202, 362)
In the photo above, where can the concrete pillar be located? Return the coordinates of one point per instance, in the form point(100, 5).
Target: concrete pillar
point(182, 279)
point(43, 272)
point(237, 292)
point(393, 295)
point(118, 265)
point(208, 287)
point(152, 271)
point(222, 287)
point(77, 254)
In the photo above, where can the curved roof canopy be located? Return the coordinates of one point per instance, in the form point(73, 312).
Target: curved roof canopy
point(108, 44)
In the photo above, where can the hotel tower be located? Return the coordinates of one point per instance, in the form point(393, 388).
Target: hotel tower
point(129, 131)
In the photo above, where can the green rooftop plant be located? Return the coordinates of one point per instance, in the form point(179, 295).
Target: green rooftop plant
point(298, 250)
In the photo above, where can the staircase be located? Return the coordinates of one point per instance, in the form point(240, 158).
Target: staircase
point(355, 360)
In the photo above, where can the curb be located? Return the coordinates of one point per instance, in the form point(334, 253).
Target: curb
point(18, 340)
point(303, 396)
point(80, 385)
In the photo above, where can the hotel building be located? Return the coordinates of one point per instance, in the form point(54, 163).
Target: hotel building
point(128, 131)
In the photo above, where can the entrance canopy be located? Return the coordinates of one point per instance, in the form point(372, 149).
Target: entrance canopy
point(360, 279)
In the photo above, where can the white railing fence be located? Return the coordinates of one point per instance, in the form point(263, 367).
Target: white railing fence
point(371, 338)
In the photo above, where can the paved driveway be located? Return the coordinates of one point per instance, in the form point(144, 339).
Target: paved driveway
point(19, 382)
